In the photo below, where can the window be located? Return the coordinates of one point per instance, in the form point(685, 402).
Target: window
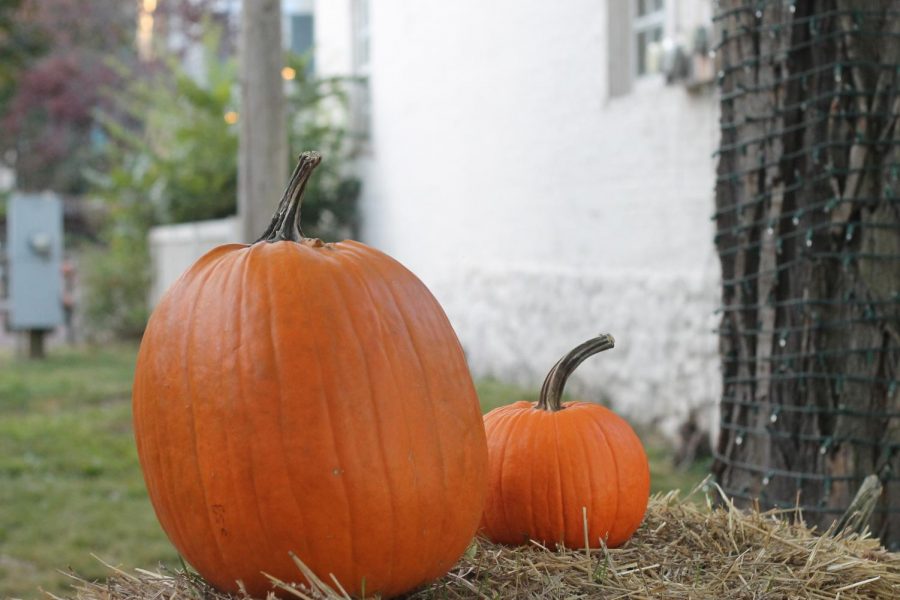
point(302, 38)
point(361, 101)
point(647, 30)
point(635, 31)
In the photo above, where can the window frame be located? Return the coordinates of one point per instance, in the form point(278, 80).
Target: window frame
point(644, 24)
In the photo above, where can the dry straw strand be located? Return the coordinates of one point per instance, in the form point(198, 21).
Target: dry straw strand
point(683, 550)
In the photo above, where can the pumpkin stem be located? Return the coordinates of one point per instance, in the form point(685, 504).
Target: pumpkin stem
point(285, 225)
point(552, 390)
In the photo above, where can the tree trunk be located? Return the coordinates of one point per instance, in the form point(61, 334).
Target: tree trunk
point(263, 162)
point(808, 234)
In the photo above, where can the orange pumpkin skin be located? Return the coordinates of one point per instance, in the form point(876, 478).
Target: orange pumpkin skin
point(309, 398)
point(547, 466)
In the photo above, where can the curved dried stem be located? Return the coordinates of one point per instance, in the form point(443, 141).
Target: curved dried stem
point(285, 224)
point(552, 390)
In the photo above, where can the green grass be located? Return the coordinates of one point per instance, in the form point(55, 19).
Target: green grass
point(70, 485)
point(69, 479)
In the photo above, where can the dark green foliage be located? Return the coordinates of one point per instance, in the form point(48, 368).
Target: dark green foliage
point(169, 146)
point(313, 104)
point(117, 277)
point(171, 157)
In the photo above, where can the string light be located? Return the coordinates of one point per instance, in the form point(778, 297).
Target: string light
point(145, 29)
point(766, 111)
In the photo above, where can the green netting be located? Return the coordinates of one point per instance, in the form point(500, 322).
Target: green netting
point(808, 233)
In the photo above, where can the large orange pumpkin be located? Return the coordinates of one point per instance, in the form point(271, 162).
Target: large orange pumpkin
point(293, 396)
point(573, 473)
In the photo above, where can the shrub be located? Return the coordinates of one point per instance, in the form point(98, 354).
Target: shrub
point(171, 156)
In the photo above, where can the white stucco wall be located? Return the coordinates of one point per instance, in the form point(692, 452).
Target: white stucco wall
point(538, 210)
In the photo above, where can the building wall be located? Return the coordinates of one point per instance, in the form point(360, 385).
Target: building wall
point(537, 209)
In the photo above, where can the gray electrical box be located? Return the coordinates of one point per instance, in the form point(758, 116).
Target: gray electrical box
point(34, 236)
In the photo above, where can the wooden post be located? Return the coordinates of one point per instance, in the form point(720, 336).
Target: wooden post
point(263, 160)
point(36, 344)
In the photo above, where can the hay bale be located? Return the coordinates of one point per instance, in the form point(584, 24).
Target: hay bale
point(684, 549)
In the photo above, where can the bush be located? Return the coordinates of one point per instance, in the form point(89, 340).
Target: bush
point(117, 278)
point(171, 157)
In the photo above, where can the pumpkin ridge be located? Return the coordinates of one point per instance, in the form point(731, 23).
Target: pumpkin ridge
point(324, 398)
point(247, 429)
point(434, 545)
point(166, 487)
point(271, 310)
point(634, 447)
point(585, 445)
point(392, 502)
point(535, 442)
point(230, 441)
point(502, 417)
point(576, 442)
point(211, 287)
point(521, 422)
point(173, 517)
point(185, 541)
point(559, 482)
point(351, 258)
point(144, 454)
point(615, 462)
point(186, 379)
point(210, 260)
point(508, 427)
point(246, 434)
point(355, 249)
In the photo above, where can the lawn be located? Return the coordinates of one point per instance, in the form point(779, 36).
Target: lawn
point(69, 480)
point(70, 485)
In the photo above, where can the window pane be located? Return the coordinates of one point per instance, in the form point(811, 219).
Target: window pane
point(301, 33)
point(646, 40)
point(302, 37)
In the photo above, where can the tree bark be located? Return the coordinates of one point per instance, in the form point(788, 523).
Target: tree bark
point(808, 234)
point(263, 161)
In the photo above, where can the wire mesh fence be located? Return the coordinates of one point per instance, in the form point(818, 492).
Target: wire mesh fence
point(808, 234)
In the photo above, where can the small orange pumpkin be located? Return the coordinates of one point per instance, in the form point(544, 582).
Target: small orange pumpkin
point(572, 473)
point(293, 396)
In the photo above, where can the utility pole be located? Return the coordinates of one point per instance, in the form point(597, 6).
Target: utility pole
point(262, 164)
